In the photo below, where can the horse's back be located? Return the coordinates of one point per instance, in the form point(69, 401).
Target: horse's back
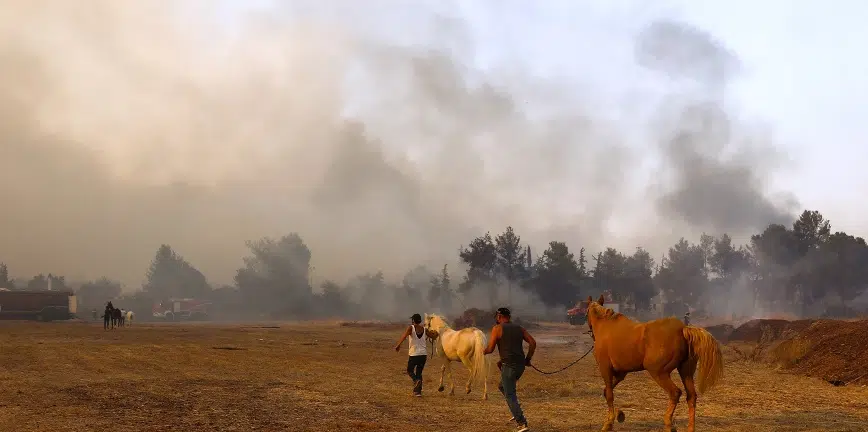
point(461, 342)
point(665, 345)
point(633, 346)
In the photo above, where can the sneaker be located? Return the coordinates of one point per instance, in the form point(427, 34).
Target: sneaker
point(512, 419)
point(522, 428)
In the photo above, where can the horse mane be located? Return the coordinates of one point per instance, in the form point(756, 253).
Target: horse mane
point(443, 319)
point(605, 313)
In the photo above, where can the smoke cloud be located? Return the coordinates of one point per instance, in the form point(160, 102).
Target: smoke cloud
point(124, 125)
point(718, 168)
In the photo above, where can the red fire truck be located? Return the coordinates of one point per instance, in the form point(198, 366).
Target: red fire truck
point(578, 315)
point(176, 309)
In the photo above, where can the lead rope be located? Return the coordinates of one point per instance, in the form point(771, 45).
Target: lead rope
point(571, 364)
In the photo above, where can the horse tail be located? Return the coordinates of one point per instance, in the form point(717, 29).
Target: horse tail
point(705, 349)
point(479, 360)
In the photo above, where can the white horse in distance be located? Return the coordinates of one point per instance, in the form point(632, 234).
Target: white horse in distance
point(465, 345)
point(128, 319)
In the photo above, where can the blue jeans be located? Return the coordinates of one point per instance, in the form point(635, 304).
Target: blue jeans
point(509, 375)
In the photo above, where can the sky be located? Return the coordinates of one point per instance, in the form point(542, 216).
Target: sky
point(223, 86)
point(802, 77)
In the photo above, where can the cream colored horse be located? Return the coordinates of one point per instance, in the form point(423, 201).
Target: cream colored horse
point(465, 345)
point(128, 320)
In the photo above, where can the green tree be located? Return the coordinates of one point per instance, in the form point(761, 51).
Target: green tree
point(4, 277)
point(481, 260)
point(95, 293)
point(511, 259)
point(170, 275)
point(683, 274)
point(610, 272)
point(638, 278)
point(775, 254)
point(38, 283)
point(334, 299)
point(557, 276)
point(440, 291)
point(810, 231)
point(276, 276)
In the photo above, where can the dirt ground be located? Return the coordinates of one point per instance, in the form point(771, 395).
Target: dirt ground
point(327, 377)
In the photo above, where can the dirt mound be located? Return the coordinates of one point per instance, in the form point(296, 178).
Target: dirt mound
point(483, 320)
point(832, 350)
point(768, 330)
point(474, 317)
point(721, 332)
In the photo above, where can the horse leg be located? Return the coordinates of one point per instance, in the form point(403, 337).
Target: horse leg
point(617, 377)
point(608, 379)
point(442, 372)
point(451, 379)
point(664, 380)
point(469, 365)
point(485, 380)
point(686, 371)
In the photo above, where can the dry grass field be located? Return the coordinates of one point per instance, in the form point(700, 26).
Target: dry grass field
point(327, 377)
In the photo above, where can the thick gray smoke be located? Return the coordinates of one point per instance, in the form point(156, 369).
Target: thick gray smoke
point(126, 125)
point(718, 169)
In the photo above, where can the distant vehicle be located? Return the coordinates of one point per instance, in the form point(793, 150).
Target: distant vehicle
point(38, 305)
point(176, 309)
point(578, 315)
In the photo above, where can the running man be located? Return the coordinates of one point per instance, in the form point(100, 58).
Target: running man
point(508, 338)
point(418, 351)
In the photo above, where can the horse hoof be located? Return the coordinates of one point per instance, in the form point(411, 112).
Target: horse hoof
point(441, 389)
point(484, 397)
point(621, 416)
point(468, 391)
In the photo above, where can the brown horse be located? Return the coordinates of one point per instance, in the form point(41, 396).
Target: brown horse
point(622, 345)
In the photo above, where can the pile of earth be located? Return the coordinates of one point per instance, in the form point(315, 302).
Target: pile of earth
point(765, 331)
point(721, 332)
point(829, 349)
point(483, 320)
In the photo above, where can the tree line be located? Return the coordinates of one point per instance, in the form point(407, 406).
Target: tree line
point(796, 267)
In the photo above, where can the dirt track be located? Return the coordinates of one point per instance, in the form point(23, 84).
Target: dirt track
point(324, 377)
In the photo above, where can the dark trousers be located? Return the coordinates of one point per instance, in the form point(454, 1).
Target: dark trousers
point(509, 375)
point(415, 364)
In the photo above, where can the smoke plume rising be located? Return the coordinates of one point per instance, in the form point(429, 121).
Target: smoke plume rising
point(125, 125)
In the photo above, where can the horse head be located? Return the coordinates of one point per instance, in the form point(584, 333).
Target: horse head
point(597, 311)
point(435, 322)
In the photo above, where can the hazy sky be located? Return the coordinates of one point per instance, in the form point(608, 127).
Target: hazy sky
point(802, 74)
point(363, 126)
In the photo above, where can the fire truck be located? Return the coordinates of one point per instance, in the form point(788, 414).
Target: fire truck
point(578, 315)
point(176, 309)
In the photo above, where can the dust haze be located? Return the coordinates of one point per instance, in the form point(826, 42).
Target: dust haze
point(125, 125)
